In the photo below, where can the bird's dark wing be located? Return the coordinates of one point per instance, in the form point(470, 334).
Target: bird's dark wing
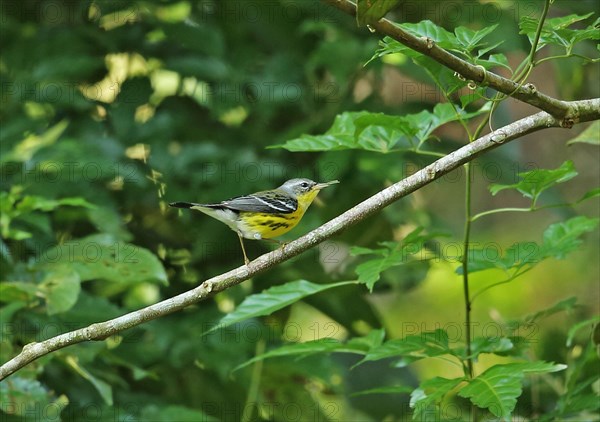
point(269, 202)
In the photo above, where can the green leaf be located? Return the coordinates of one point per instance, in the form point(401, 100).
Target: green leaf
point(29, 398)
point(561, 306)
point(563, 238)
point(428, 29)
point(31, 203)
point(495, 345)
point(370, 11)
point(420, 125)
point(555, 30)
point(431, 393)
point(342, 135)
point(322, 345)
point(393, 254)
point(104, 389)
point(591, 135)
point(26, 149)
point(534, 182)
point(358, 345)
point(411, 348)
point(391, 389)
point(60, 288)
point(498, 388)
point(103, 257)
point(11, 291)
point(273, 299)
point(470, 39)
point(589, 194)
point(517, 256)
point(591, 323)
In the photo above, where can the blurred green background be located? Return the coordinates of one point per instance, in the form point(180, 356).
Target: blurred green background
point(129, 105)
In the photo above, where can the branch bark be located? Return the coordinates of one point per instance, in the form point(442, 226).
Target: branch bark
point(563, 110)
point(590, 110)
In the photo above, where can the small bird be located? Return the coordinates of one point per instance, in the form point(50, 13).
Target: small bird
point(266, 214)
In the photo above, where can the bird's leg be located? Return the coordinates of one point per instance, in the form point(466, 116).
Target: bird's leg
point(279, 242)
point(246, 260)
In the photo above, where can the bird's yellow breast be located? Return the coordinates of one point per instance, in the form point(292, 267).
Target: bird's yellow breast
point(269, 225)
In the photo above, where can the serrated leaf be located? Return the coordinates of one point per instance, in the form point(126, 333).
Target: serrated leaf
point(273, 299)
point(555, 31)
point(536, 181)
point(591, 135)
point(515, 257)
point(495, 345)
point(430, 393)
point(394, 254)
point(411, 348)
point(428, 29)
point(562, 238)
point(341, 136)
point(370, 11)
point(60, 287)
point(470, 39)
point(103, 257)
point(498, 388)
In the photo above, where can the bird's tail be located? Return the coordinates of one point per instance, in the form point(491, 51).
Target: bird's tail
point(182, 204)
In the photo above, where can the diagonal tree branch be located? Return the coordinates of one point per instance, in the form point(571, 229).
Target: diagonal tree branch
point(565, 111)
point(590, 110)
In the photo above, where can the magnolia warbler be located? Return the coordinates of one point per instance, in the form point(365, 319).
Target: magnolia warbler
point(266, 214)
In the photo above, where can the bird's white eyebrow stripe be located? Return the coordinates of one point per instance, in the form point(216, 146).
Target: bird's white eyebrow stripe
point(269, 203)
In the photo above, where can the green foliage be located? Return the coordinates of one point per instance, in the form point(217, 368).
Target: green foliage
point(111, 110)
point(559, 240)
point(370, 11)
point(536, 181)
point(556, 31)
point(498, 388)
point(591, 135)
point(392, 254)
point(273, 299)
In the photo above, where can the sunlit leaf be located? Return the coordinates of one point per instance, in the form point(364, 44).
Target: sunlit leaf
point(33, 143)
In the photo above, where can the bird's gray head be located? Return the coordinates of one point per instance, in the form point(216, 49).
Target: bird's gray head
point(299, 186)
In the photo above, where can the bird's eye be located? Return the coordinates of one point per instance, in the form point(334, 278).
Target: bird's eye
point(304, 185)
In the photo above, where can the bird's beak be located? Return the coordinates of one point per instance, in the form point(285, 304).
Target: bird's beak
point(320, 186)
